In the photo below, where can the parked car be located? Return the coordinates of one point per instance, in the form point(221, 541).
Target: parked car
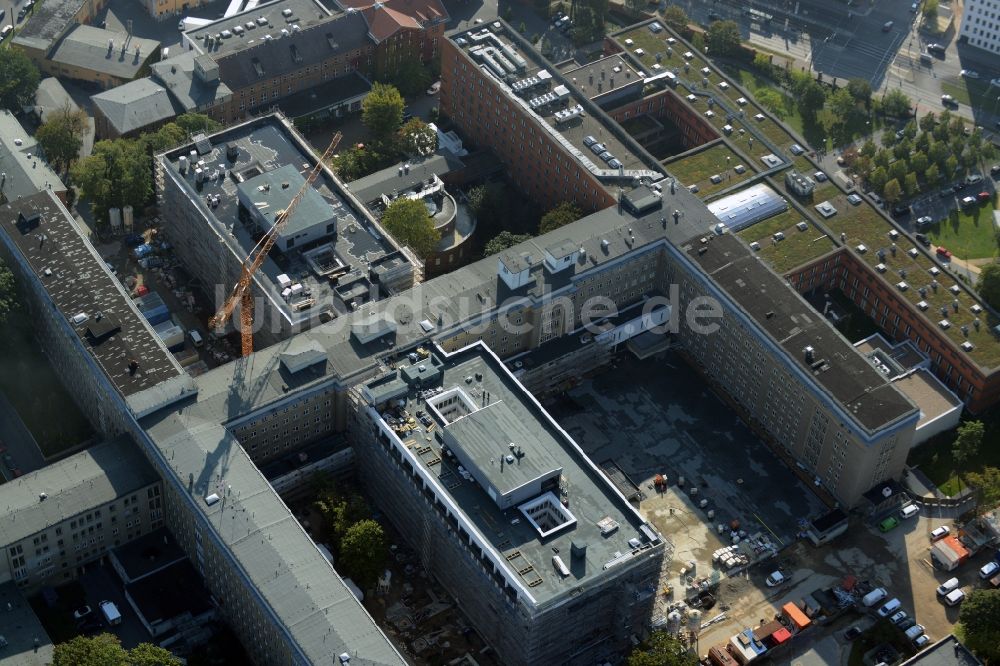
point(958, 187)
point(852, 633)
point(900, 209)
point(876, 199)
point(921, 640)
point(983, 197)
point(906, 624)
point(898, 617)
point(948, 586)
point(854, 198)
point(923, 240)
point(589, 141)
point(955, 597)
point(82, 613)
point(888, 524)
point(989, 570)
point(943, 252)
point(935, 48)
point(7, 29)
point(940, 533)
point(909, 511)
point(435, 87)
point(973, 179)
point(969, 73)
point(873, 597)
point(948, 100)
point(774, 579)
point(924, 220)
point(968, 202)
point(91, 625)
point(995, 170)
point(914, 631)
point(889, 607)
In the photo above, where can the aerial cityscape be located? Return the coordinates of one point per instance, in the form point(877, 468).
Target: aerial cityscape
point(499, 333)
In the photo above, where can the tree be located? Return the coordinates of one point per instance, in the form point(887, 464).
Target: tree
point(503, 241)
point(101, 650)
point(362, 552)
point(930, 13)
point(967, 444)
point(811, 99)
point(869, 149)
point(168, 136)
point(61, 136)
point(910, 185)
point(772, 100)
point(382, 110)
point(980, 620)
point(407, 220)
point(676, 19)
point(18, 79)
point(928, 121)
point(146, 654)
point(192, 123)
point(662, 649)
point(412, 77)
point(762, 61)
point(987, 484)
point(861, 91)
point(559, 216)
point(988, 285)
point(892, 191)
point(117, 173)
point(488, 204)
point(723, 38)
point(896, 104)
point(878, 178)
point(932, 174)
point(417, 138)
point(8, 300)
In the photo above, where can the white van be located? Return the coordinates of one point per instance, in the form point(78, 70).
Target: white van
point(774, 579)
point(947, 587)
point(955, 597)
point(110, 612)
point(909, 511)
point(196, 338)
point(873, 597)
point(889, 607)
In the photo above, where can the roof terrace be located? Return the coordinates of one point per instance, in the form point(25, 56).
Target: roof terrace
point(521, 486)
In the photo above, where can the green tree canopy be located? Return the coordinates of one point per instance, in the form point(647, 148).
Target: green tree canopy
point(8, 295)
point(932, 174)
point(382, 111)
point(417, 138)
point(412, 78)
point(117, 173)
point(560, 216)
point(928, 121)
point(676, 19)
point(503, 241)
point(488, 204)
point(773, 100)
point(861, 91)
point(18, 78)
point(723, 38)
point(980, 620)
point(987, 484)
point(363, 552)
point(409, 223)
point(101, 650)
point(192, 123)
point(146, 654)
point(930, 12)
point(910, 185)
point(896, 104)
point(967, 443)
point(989, 284)
point(893, 191)
point(662, 649)
point(61, 136)
point(168, 136)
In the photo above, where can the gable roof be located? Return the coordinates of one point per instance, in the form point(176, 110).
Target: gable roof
point(135, 105)
point(310, 46)
point(86, 46)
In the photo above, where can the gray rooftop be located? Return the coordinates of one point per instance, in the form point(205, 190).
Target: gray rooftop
point(604, 75)
point(280, 187)
point(86, 46)
point(148, 553)
point(51, 96)
point(395, 179)
point(72, 486)
point(793, 325)
point(270, 548)
point(304, 13)
point(188, 90)
point(22, 628)
point(135, 105)
point(946, 652)
point(263, 60)
point(635, 160)
point(25, 175)
point(78, 281)
point(48, 22)
point(591, 498)
point(266, 144)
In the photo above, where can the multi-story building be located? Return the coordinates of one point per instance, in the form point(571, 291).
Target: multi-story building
point(506, 511)
point(25, 172)
point(401, 29)
point(66, 515)
point(981, 25)
point(226, 190)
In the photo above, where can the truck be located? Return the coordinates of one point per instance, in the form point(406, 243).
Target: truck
point(948, 553)
point(110, 612)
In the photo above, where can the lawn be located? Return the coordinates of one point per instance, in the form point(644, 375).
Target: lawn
point(974, 92)
point(969, 235)
point(32, 387)
point(698, 167)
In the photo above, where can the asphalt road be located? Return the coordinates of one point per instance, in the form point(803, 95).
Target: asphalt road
point(18, 440)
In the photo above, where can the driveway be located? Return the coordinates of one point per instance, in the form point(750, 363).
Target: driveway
point(101, 583)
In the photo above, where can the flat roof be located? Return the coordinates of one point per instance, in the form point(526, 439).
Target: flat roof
point(590, 496)
point(48, 22)
point(88, 47)
point(148, 553)
point(272, 191)
point(396, 178)
point(303, 13)
point(523, 63)
point(946, 652)
point(792, 324)
point(326, 95)
point(25, 175)
point(22, 629)
point(72, 486)
point(264, 145)
point(928, 393)
point(603, 76)
point(78, 281)
point(52, 96)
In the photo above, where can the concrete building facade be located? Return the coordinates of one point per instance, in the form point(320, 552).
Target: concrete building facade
point(981, 25)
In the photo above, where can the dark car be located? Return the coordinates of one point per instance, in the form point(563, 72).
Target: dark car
point(91, 626)
point(907, 623)
point(923, 240)
point(958, 187)
point(901, 209)
point(852, 633)
point(995, 170)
